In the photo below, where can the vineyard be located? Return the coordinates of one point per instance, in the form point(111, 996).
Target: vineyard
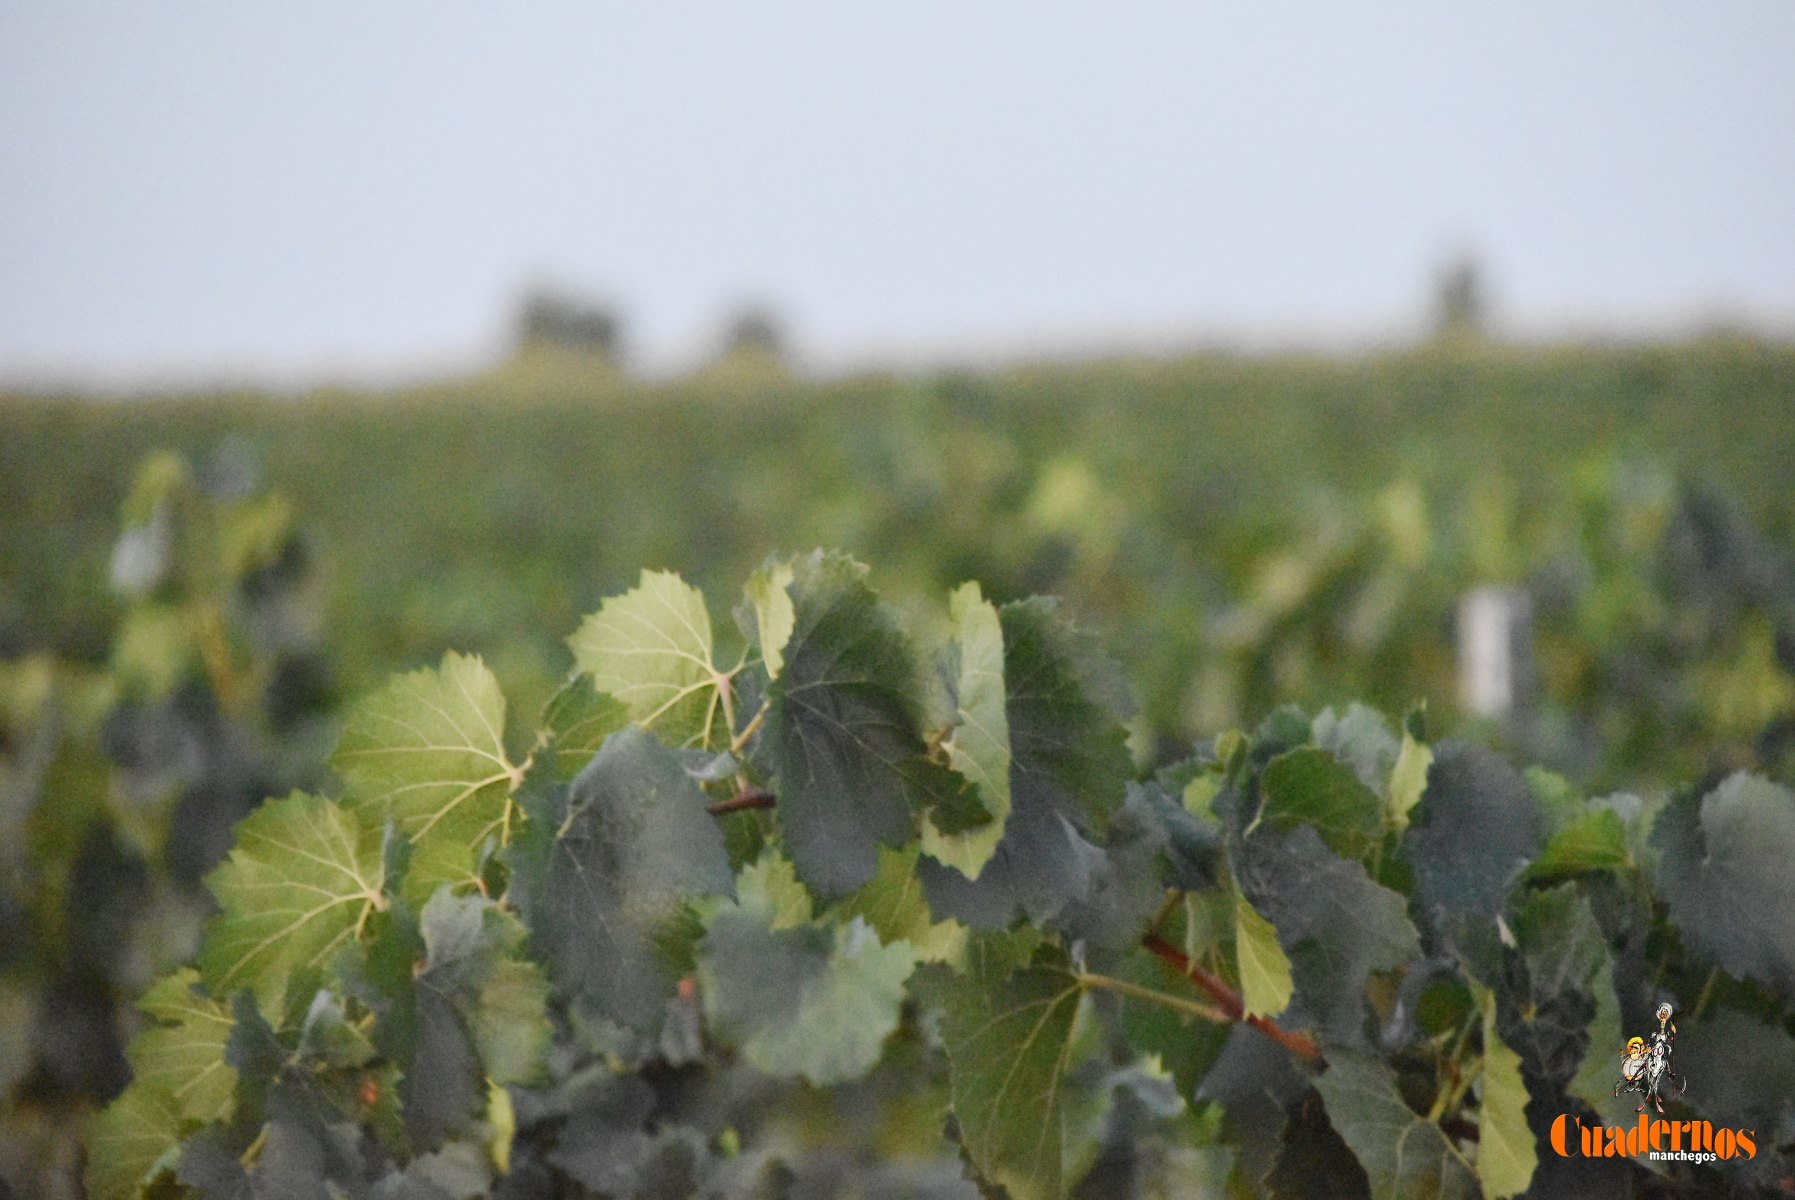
point(485, 791)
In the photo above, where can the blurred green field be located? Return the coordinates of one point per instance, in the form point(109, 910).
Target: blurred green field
point(1243, 530)
point(192, 588)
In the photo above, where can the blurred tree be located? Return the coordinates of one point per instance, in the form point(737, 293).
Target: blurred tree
point(1461, 300)
point(754, 330)
point(551, 318)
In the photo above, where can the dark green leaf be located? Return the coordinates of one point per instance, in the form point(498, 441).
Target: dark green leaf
point(1312, 786)
point(1405, 1157)
point(893, 904)
point(1009, 1048)
point(841, 730)
point(1595, 840)
point(577, 721)
point(1473, 834)
point(805, 999)
point(1362, 739)
point(604, 870)
point(1725, 871)
point(1127, 884)
point(1335, 924)
point(1069, 768)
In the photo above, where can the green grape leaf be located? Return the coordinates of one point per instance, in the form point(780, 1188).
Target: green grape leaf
point(481, 1015)
point(894, 905)
point(770, 883)
point(1405, 1157)
point(809, 1000)
point(1009, 1045)
point(1334, 922)
point(841, 731)
point(183, 1053)
point(427, 752)
point(1408, 780)
point(1311, 785)
point(604, 868)
point(1506, 1150)
point(1594, 840)
point(1265, 982)
point(1361, 738)
point(302, 878)
point(1741, 1073)
point(774, 616)
point(1472, 836)
point(1724, 871)
point(650, 648)
point(1127, 887)
point(1254, 1081)
point(979, 745)
point(1557, 933)
point(1066, 704)
point(129, 1138)
point(1186, 1045)
point(329, 1038)
point(1069, 766)
point(1600, 1065)
point(576, 723)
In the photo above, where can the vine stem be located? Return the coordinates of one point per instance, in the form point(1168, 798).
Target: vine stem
point(1232, 1007)
point(746, 799)
point(1195, 1008)
point(752, 728)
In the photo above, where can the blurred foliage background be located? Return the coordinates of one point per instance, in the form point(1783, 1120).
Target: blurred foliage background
point(191, 585)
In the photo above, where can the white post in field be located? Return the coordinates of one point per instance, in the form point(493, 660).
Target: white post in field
point(1495, 650)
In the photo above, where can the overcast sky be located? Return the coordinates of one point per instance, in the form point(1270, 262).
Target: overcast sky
point(332, 187)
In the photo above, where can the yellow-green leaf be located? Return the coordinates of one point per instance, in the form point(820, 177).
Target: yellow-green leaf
point(1506, 1153)
point(428, 753)
point(301, 879)
point(183, 1052)
point(1408, 779)
point(774, 616)
point(128, 1140)
point(650, 648)
point(1265, 982)
point(979, 745)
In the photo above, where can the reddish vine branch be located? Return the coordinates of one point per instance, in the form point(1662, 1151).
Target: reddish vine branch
point(748, 798)
point(1229, 999)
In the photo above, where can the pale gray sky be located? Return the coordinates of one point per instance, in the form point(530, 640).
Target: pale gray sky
point(327, 186)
